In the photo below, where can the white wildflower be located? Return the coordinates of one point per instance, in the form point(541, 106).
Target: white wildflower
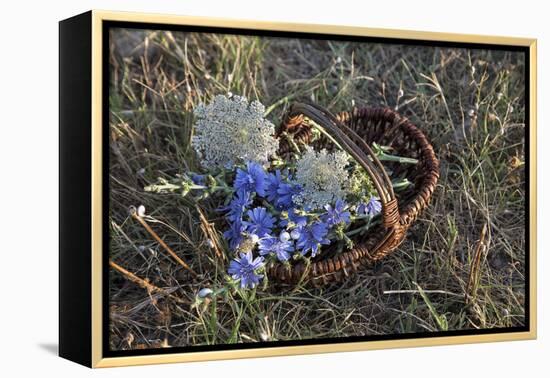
point(230, 130)
point(322, 176)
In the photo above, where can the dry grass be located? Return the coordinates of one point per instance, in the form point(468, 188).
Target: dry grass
point(448, 275)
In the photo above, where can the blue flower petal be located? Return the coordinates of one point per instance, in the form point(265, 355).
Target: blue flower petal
point(259, 222)
point(279, 248)
point(371, 208)
point(244, 268)
point(253, 179)
point(337, 214)
point(311, 237)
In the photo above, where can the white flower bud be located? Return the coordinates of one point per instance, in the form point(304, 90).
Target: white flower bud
point(141, 211)
point(284, 236)
point(295, 234)
point(205, 292)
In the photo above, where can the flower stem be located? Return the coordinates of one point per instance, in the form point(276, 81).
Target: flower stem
point(401, 184)
point(323, 131)
point(381, 153)
point(363, 228)
point(292, 142)
point(400, 159)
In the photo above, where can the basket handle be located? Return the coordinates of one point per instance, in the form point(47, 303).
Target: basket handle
point(360, 151)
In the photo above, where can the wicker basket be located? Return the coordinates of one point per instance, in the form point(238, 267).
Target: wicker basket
point(355, 131)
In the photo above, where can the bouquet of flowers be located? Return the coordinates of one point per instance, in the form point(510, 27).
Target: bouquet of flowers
point(275, 210)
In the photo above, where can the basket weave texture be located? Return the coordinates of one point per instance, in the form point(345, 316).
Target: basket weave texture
point(355, 131)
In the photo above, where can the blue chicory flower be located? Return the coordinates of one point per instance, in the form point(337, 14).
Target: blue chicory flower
point(244, 268)
point(337, 214)
point(280, 191)
point(260, 222)
point(253, 179)
point(286, 192)
point(311, 238)
point(238, 205)
point(280, 248)
point(371, 208)
point(235, 234)
point(274, 180)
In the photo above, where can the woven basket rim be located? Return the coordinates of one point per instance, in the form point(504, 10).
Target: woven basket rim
point(337, 267)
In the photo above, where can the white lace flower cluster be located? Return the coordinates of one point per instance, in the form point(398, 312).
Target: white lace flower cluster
point(322, 177)
point(230, 130)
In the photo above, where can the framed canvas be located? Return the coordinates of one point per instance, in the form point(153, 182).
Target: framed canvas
point(235, 189)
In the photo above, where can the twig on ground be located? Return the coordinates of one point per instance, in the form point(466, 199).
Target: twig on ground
point(473, 278)
point(162, 243)
point(143, 283)
point(418, 292)
point(208, 231)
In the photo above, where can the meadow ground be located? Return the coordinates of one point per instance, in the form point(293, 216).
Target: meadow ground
point(462, 264)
